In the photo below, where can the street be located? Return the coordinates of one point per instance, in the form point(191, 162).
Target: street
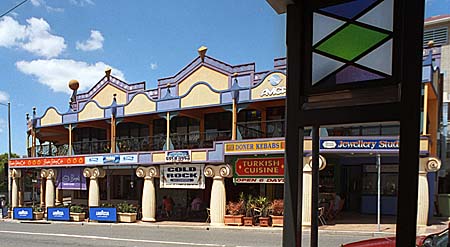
point(63, 234)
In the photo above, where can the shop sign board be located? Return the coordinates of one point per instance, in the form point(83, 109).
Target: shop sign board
point(103, 214)
point(259, 170)
point(360, 144)
point(61, 214)
point(254, 146)
point(112, 159)
point(23, 213)
point(46, 162)
point(178, 156)
point(182, 176)
point(71, 179)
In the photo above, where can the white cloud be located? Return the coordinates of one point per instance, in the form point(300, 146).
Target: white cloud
point(94, 42)
point(34, 37)
point(56, 73)
point(153, 66)
point(37, 3)
point(82, 3)
point(52, 9)
point(4, 97)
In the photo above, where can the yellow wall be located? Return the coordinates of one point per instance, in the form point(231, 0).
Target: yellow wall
point(105, 96)
point(159, 157)
point(90, 111)
point(200, 95)
point(217, 80)
point(140, 104)
point(199, 156)
point(51, 117)
point(265, 85)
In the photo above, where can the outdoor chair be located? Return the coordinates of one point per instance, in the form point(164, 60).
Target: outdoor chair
point(322, 216)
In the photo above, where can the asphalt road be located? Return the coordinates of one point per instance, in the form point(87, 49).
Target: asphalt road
point(16, 234)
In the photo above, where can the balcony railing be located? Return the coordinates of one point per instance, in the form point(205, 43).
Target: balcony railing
point(261, 129)
point(91, 147)
point(45, 150)
point(199, 139)
point(144, 143)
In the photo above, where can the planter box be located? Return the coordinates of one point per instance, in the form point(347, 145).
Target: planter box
point(126, 217)
point(277, 220)
point(38, 215)
point(264, 221)
point(233, 220)
point(248, 221)
point(77, 216)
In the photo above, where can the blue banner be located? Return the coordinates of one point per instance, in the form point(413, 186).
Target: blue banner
point(58, 214)
point(360, 144)
point(23, 213)
point(103, 214)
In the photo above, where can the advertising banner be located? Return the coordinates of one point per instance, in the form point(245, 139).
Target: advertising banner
point(47, 162)
point(259, 170)
point(71, 179)
point(360, 144)
point(182, 176)
point(23, 213)
point(61, 214)
point(112, 159)
point(178, 156)
point(103, 214)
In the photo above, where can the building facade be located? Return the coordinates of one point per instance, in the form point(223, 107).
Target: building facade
point(212, 131)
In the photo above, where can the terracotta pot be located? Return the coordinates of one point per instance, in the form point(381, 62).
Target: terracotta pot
point(248, 221)
point(38, 215)
point(77, 216)
point(126, 217)
point(264, 221)
point(233, 220)
point(277, 220)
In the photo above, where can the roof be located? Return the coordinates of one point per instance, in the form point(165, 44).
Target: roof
point(437, 19)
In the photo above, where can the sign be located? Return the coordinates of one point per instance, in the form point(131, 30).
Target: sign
point(46, 162)
point(182, 176)
point(71, 179)
point(178, 156)
point(23, 213)
point(360, 144)
point(255, 146)
point(62, 214)
point(103, 214)
point(259, 170)
point(112, 159)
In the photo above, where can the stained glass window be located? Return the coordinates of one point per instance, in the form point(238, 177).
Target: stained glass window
point(352, 41)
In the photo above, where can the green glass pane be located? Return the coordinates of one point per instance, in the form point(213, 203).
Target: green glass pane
point(351, 42)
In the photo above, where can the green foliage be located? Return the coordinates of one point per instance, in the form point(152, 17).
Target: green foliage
point(76, 209)
point(124, 207)
point(107, 205)
point(37, 209)
point(3, 172)
point(277, 207)
point(262, 205)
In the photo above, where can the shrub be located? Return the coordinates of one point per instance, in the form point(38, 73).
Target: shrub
point(37, 209)
point(277, 207)
point(235, 208)
point(124, 207)
point(76, 209)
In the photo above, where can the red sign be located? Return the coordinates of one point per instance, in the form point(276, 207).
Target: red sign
point(258, 167)
point(44, 162)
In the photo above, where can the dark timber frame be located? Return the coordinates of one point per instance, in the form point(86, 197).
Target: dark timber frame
point(402, 105)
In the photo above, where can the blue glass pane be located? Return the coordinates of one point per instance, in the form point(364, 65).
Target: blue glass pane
point(349, 9)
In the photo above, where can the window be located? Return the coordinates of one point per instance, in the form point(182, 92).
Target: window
point(438, 35)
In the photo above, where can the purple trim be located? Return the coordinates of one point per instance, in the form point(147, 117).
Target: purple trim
point(167, 105)
point(70, 118)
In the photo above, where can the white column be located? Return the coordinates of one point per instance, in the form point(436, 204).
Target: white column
point(15, 175)
point(50, 175)
point(94, 192)
point(428, 164)
point(148, 192)
point(218, 193)
point(307, 187)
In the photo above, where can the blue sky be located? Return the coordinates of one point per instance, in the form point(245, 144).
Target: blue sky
point(46, 43)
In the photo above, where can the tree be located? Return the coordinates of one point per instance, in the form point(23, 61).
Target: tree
point(3, 170)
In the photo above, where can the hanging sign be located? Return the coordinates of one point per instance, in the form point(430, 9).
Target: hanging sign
point(182, 176)
point(71, 179)
point(259, 170)
point(178, 156)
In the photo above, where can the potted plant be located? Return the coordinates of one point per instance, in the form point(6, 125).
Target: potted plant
point(38, 213)
point(234, 213)
point(126, 212)
point(262, 207)
point(77, 213)
point(276, 209)
point(249, 207)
